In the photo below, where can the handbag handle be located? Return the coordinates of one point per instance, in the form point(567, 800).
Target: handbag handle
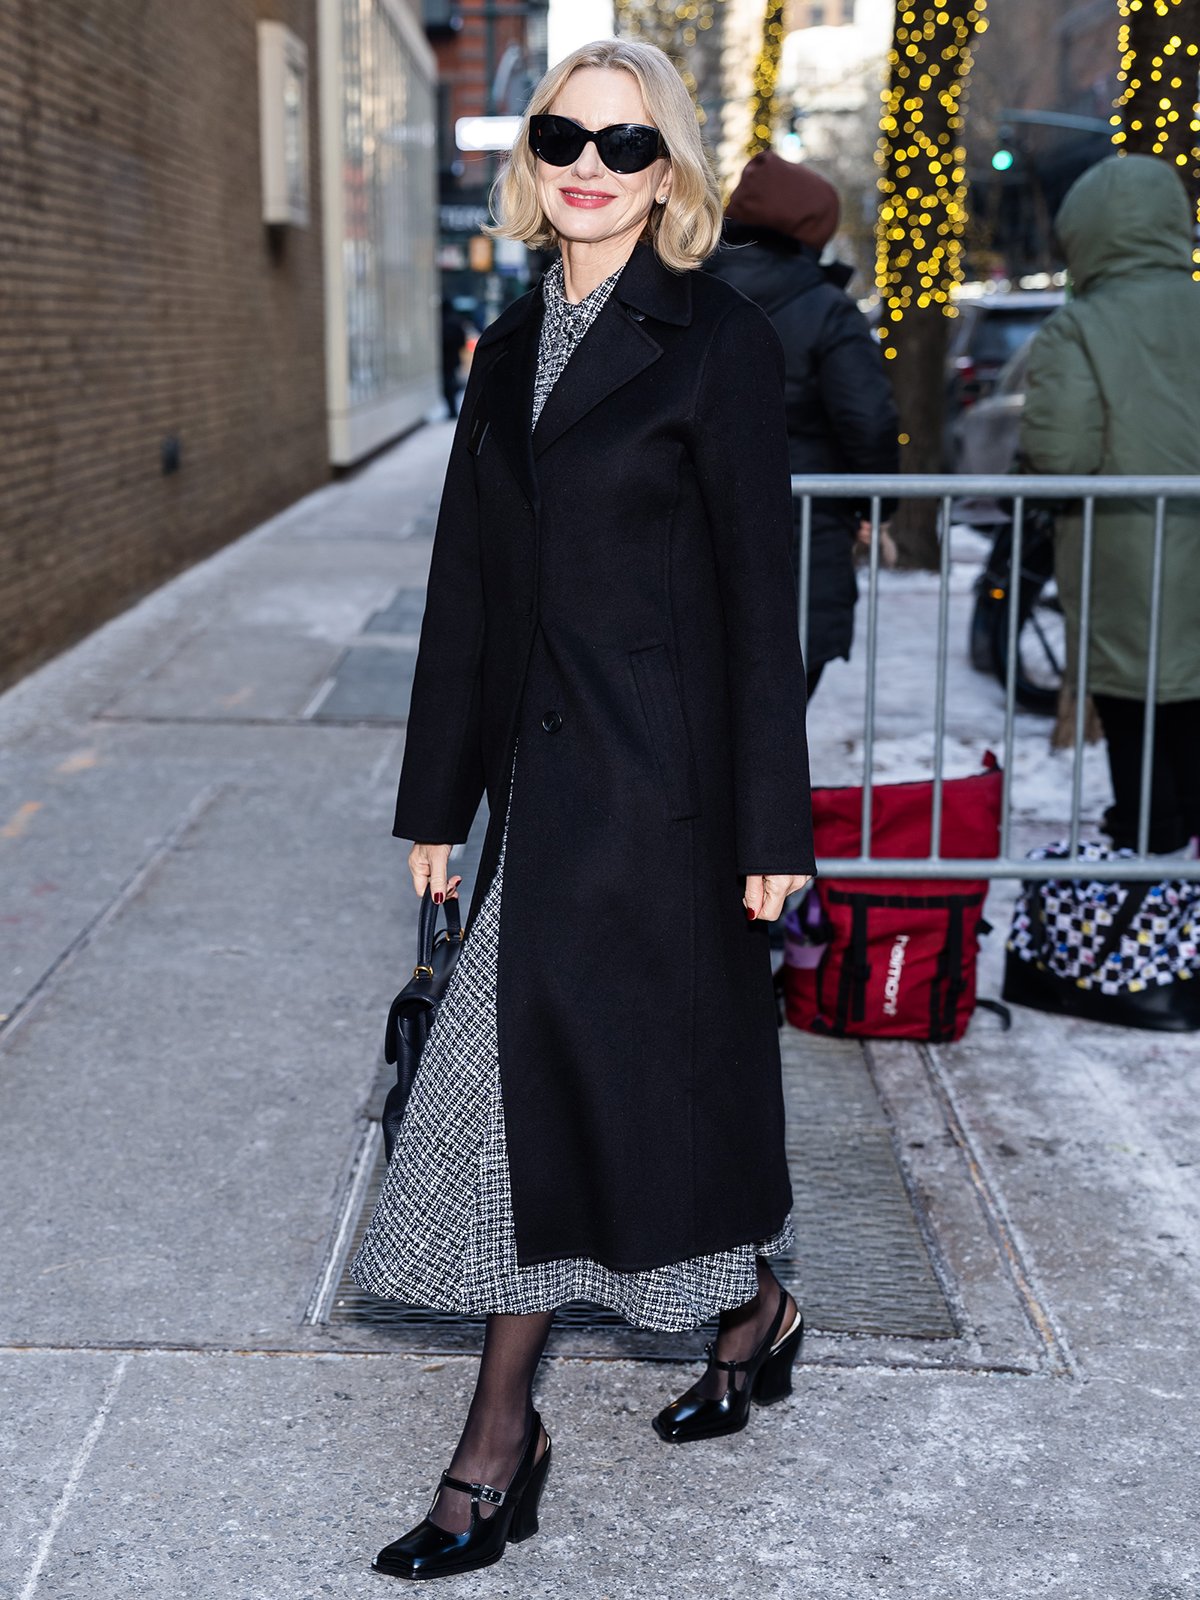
point(427, 930)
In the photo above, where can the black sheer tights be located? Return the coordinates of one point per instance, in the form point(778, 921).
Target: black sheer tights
point(501, 1409)
point(742, 1330)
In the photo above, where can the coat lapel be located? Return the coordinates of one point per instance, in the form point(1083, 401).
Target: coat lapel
point(614, 350)
point(618, 345)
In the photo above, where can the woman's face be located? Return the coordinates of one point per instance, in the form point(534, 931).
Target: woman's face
point(585, 202)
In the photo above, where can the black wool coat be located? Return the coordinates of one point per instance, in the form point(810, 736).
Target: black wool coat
point(840, 411)
point(611, 600)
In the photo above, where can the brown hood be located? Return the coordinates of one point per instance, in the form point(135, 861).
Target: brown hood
point(786, 196)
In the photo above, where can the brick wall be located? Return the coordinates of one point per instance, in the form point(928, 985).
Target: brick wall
point(141, 297)
point(463, 59)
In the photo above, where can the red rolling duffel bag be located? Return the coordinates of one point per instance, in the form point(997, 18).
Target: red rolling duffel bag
point(899, 958)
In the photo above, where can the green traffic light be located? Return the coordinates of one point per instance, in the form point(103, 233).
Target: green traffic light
point(1002, 160)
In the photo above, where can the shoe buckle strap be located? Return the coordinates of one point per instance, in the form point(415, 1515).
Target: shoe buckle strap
point(710, 1351)
point(477, 1491)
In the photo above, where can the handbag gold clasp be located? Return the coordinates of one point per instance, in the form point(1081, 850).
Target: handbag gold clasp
point(422, 971)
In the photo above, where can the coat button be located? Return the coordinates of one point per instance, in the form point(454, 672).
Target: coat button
point(552, 722)
point(638, 316)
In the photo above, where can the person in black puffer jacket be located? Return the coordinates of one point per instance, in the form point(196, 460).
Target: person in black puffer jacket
point(841, 417)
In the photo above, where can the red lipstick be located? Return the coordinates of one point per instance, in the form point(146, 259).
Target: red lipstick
point(586, 199)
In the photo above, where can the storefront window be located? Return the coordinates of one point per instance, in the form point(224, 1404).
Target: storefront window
point(388, 178)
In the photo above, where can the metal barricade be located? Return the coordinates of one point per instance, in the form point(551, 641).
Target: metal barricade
point(1019, 489)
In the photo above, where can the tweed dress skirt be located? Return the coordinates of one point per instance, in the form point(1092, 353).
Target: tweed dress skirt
point(442, 1234)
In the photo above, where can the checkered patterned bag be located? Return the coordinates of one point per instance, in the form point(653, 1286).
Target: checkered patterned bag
point(1125, 953)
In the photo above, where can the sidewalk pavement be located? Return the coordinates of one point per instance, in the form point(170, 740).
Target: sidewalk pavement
point(203, 918)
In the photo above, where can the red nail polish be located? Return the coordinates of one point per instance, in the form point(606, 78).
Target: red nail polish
point(751, 914)
point(437, 899)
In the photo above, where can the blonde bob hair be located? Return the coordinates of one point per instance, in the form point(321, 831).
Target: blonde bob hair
point(688, 227)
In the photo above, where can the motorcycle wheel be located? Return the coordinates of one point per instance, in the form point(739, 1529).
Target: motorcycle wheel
point(1041, 650)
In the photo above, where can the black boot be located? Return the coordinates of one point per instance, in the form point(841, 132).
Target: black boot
point(768, 1377)
point(433, 1552)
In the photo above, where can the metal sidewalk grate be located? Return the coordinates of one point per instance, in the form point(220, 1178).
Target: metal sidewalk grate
point(369, 684)
point(372, 680)
point(402, 614)
point(861, 1264)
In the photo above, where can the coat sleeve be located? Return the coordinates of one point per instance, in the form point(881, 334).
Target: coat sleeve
point(740, 446)
point(855, 393)
point(442, 779)
point(1062, 426)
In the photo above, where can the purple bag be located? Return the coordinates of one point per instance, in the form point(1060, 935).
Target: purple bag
point(805, 933)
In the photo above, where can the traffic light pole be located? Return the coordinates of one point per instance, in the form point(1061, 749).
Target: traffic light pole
point(1003, 157)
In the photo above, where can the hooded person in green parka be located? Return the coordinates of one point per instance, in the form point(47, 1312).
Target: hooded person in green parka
point(1114, 388)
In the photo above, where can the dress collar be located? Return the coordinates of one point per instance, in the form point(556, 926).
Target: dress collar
point(556, 300)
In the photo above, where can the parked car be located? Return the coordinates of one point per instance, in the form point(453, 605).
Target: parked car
point(985, 434)
point(987, 332)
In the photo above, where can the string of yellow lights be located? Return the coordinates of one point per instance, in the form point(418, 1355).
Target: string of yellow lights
point(765, 105)
point(1158, 108)
point(675, 26)
point(923, 171)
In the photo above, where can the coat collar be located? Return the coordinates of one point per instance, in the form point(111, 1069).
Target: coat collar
point(649, 286)
point(645, 284)
point(619, 345)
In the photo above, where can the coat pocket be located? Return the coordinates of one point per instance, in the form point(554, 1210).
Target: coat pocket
point(662, 708)
point(478, 429)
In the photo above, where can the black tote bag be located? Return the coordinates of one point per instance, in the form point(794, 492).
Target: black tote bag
point(414, 1008)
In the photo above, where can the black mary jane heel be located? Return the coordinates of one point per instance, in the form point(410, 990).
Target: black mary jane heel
point(768, 1379)
point(432, 1552)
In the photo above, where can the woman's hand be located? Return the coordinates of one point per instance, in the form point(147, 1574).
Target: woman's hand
point(429, 864)
point(888, 554)
point(765, 895)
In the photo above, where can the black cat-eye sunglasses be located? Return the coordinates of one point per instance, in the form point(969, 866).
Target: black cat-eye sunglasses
point(624, 147)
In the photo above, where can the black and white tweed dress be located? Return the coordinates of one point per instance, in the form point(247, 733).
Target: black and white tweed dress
point(442, 1234)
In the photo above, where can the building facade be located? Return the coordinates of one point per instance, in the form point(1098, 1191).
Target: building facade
point(217, 281)
point(378, 87)
point(833, 67)
point(490, 55)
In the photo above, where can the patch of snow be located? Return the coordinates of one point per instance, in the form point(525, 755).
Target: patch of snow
point(906, 684)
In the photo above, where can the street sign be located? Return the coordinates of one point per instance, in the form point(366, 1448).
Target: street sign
point(486, 133)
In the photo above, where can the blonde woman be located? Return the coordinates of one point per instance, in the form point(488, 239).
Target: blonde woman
point(609, 651)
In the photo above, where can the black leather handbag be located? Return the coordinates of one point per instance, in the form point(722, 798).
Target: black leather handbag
point(414, 1008)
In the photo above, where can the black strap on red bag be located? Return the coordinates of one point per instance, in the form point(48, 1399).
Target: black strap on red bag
point(856, 968)
point(949, 982)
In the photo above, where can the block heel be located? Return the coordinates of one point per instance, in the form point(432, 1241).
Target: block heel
point(774, 1379)
point(525, 1516)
